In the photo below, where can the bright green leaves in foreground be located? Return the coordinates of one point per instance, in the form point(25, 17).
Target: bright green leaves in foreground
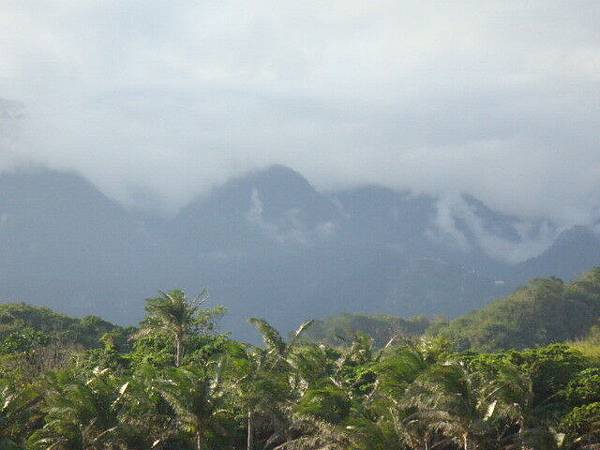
point(176, 383)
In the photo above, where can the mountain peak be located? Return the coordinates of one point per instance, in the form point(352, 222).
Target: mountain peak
point(277, 177)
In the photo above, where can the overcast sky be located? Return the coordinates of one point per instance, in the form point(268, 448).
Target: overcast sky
point(497, 99)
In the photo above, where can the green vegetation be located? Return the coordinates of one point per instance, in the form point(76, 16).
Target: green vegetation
point(590, 344)
point(499, 378)
point(19, 319)
point(342, 329)
point(543, 312)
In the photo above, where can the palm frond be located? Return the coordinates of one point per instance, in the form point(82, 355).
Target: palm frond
point(271, 337)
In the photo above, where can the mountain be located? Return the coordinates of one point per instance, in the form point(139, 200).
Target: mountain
point(573, 252)
point(274, 206)
point(265, 244)
point(66, 245)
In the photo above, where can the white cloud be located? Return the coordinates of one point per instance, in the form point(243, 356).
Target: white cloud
point(289, 228)
point(498, 99)
point(531, 239)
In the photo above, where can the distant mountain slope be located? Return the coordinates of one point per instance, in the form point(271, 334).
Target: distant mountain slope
point(573, 252)
point(265, 244)
point(66, 245)
point(267, 208)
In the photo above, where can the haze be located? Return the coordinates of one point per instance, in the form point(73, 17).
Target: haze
point(158, 101)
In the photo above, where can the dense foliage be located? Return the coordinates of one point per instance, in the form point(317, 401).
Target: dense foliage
point(176, 382)
point(544, 311)
point(341, 329)
point(21, 318)
point(527, 318)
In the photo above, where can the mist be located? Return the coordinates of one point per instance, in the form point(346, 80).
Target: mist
point(157, 102)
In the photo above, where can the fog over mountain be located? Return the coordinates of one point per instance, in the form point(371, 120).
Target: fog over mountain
point(296, 158)
point(269, 244)
point(157, 102)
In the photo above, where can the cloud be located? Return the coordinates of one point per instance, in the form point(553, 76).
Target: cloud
point(497, 99)
point(519, 241)
point(290, 229)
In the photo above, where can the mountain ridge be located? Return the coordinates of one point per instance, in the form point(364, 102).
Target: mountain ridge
point(267, 242)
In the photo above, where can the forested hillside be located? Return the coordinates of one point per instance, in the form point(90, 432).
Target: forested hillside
point(545, 311)
point(21, 319)
point(178, 381)
point(342, 329)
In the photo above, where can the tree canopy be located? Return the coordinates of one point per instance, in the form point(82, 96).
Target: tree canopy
point(509, 376)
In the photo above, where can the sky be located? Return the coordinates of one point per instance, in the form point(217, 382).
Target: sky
point(167, 99)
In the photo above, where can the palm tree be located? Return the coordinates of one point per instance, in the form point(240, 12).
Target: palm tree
point(326, 418)
point(275, 344)
point(265, 381)
point(195, 396)
point(316, 434)
point(258, 387)
point(445, 401)
point(174, 315)
point(512, 393)
point(81, 415)
point(311, 364)
point(16, 409)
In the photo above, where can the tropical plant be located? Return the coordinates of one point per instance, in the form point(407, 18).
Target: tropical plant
point(81, 414)
point(17, 411)
point(183, 386)
point(174, 315)
point(196, 397)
